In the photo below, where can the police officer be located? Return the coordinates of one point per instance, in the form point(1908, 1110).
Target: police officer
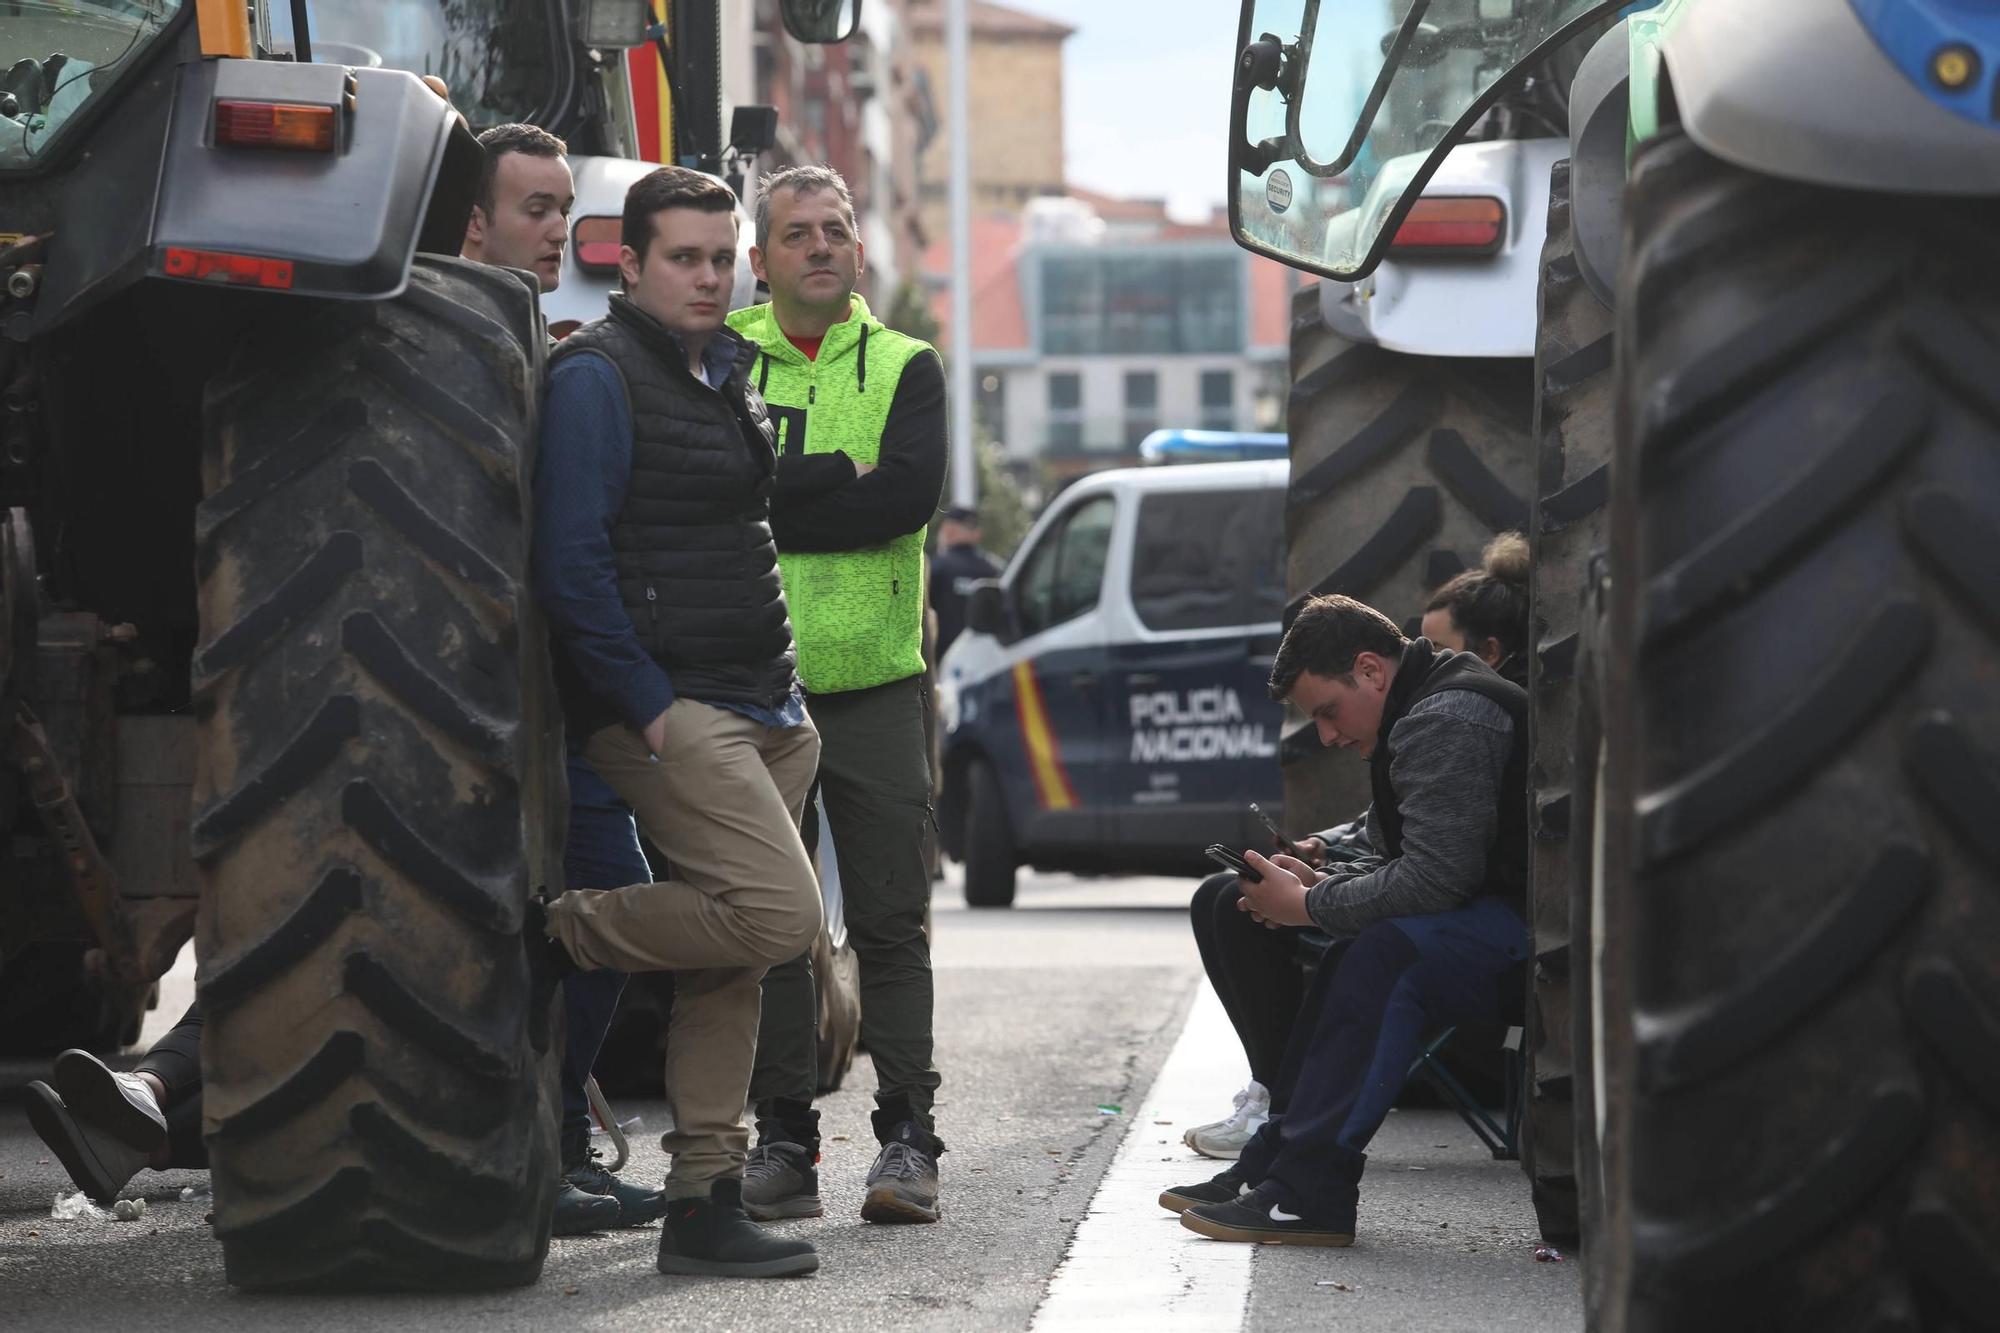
point(958, 565)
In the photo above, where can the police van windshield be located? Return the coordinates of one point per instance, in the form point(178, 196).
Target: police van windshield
point(498, 56)
point(59, 55)
point(1209, 559)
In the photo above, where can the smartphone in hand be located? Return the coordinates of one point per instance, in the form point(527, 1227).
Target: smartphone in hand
point(1229, 860)
point(1285, 844)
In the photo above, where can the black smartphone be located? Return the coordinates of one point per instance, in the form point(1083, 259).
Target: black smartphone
point(1285, 844)
point(1229, 860)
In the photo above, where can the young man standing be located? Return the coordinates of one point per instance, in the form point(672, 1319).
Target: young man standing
point(862, 442)
point(520, 219)
point(1434, 912)
point(653, 557)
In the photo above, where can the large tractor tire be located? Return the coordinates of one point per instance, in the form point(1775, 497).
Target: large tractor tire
point(1573, 401)
point(1799, 978)
point(1403, 467)
point(377, 788)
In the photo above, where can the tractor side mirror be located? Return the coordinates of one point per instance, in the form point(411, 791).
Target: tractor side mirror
point(820, 22)
point(986, 610)
point(615, 24)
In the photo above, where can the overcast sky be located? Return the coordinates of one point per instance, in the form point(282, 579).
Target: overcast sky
point(1146, 96)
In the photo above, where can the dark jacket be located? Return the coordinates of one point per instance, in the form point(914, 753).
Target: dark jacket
point(953, 572)
point(696, 567)
point(1449, 777)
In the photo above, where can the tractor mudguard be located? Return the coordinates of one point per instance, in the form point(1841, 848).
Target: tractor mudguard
point(1599, 101)
point(1459, 306)
point(1802, 90)
point(328, 224)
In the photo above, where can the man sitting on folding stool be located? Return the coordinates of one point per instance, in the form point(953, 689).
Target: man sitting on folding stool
point(1434, 917)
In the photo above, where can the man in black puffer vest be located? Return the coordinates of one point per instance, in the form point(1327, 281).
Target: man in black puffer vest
point(654, 559)
point(1433, 916)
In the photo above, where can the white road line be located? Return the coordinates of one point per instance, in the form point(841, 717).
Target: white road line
point(1132, 1264)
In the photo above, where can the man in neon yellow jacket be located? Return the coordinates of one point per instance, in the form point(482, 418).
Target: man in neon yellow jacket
point(860, 414)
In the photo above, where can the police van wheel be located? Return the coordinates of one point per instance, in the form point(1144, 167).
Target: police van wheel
point(374, 788)
point(989, 843)
point(1403, 468)
point(1802, 741)
point(1573, 401)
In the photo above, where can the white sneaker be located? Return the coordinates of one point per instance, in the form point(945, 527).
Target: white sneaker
point(1224, 1139)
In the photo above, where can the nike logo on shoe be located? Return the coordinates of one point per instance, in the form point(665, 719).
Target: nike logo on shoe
point(1280, 1215)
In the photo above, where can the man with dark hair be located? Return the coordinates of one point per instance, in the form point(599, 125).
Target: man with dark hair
point(862, 444)
point(1432, 914)
point(520, 218)
point(958, 565)
point(653, 557)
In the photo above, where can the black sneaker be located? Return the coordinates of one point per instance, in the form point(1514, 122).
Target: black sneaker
point(713, 1238)
point(1218, 1189)
point(99, 1163)
point(578, 1213)
point(781, 1180)
point(1261, 1218)
point(903, 1183)
point(637, 1205)
point(122, 1105)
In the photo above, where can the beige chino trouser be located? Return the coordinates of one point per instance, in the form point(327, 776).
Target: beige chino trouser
point(722, 803)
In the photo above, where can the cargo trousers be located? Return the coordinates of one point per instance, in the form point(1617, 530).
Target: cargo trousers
point(722, 802)
point(875, 784)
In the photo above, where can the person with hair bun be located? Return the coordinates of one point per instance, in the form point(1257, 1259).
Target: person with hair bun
point(1484, 611)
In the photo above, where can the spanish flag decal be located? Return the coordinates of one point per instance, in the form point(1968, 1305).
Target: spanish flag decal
point(1052, 786)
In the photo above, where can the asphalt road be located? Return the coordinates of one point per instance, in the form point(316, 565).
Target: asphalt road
point(1070, 1002)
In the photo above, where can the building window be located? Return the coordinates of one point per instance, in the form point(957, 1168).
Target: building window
point(1218, 400)
point(1130, 303)
point(1142, 405)
point(1065, 410)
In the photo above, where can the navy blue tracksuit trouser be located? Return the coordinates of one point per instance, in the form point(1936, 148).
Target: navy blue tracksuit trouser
point(1362, 1025)
point(602, 852)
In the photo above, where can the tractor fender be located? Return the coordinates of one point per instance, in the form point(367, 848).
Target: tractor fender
point(347, 222)
point(1802, 90)
point(1481, 305)
point(1600, 100)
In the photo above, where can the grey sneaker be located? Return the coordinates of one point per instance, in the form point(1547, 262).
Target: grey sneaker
point(781, 1179)
point(903, 1183)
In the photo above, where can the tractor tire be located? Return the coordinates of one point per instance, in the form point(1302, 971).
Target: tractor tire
point(989, 842)
point(1801, 735)
point(1573, 401)
point(50, 1001)
point(377, 788)
point(1403, 468)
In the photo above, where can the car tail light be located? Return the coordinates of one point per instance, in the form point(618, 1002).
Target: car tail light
point(274, 125)
point(596, 244)
point(1469, 225)
point(217, 266)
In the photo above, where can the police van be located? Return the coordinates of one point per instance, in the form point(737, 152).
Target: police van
point(1105, 708)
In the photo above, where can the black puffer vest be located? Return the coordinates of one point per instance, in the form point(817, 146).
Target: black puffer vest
point(1425, 671)
point(697, 569)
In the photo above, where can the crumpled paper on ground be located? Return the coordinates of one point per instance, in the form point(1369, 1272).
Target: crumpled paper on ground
point(77, 1207)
